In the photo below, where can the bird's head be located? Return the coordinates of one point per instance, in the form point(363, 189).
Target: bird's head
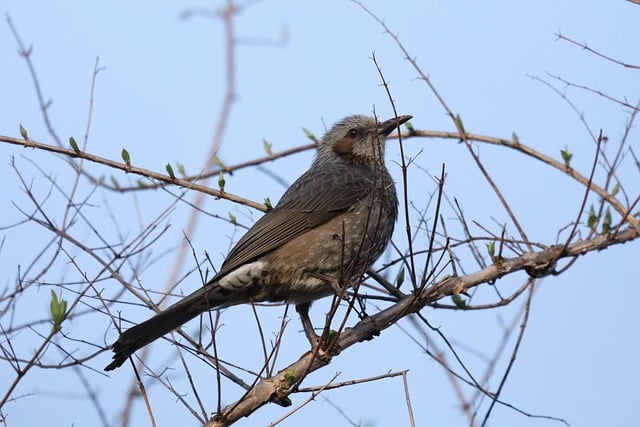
point(357, 139)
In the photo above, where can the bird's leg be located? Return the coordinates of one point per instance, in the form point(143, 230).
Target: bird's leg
point(303, 311)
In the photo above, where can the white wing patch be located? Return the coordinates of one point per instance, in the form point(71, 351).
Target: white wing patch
point(246, 275)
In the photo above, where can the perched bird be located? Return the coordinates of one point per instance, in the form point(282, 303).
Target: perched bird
point(326, 230)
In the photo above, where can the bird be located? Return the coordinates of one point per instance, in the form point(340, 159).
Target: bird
point(329, 226)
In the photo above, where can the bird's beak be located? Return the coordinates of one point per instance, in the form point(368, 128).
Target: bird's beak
point(386, 127)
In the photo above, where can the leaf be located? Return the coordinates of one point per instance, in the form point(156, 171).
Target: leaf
point(267, 203)
point(310, 135)
point(218, 162)
point(289, 377)
point(566, 156)
point(459, 301)
point(514, 138)
point(115, 182)
point(74, 144)
point(170, 171)
point(410, 128)
point(593, 219)
point(400, 278)
point(58, 311)
point(23, 133)
point(459, 123)
point(491, 248)
point(126, 157)
point(616, 188)
point(267, 146)
point(221, 181)
point(181, 169)
point(232, 219)
point(606, 223)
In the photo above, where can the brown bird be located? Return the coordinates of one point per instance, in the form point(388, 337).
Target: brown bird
point(326, 230)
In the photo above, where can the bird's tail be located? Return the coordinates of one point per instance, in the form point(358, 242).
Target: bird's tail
point(133, 339)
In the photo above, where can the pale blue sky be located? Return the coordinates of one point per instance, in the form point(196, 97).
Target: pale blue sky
point(160, 94)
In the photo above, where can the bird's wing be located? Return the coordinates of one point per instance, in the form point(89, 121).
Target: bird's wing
point(313, 199)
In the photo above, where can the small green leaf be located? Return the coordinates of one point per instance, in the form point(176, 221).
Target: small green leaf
point(141, 183)
point(459, 301)
point(606, 223)
point(289, 377)
point(400, 278)
point(58, 311)
point(566, 156)
point(514, 138)
point(616, 188)
point(126, 157)
point(115, 182)
point(410, 128)
point(181, 169)
point(459, 123)
point(491, 248)
point(23, 133)
point(267, 146)
point(74, 144)
point(218, 162)
point(170, 171)
point(221, 181)
point(592, 220)
point(310, 135)
point(232, 219)
point(267, 203)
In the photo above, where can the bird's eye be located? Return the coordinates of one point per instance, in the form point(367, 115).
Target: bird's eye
point(353, 132)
